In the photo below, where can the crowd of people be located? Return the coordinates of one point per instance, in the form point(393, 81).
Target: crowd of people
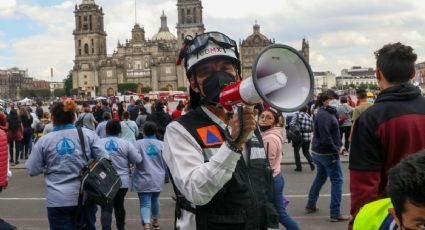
point(227, 175)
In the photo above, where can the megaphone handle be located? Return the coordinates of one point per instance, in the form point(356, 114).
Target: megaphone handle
point(227, 135)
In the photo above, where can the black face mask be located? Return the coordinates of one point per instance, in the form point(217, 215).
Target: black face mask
point(264, 128)
point(213, 85)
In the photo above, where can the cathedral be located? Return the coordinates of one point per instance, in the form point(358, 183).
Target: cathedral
point(145, 62)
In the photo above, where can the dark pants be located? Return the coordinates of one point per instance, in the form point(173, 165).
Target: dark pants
point(305, 147)
point(6, 226)
point(64, 218)
point(118, 207)
point(17, 150)
point(345, 130)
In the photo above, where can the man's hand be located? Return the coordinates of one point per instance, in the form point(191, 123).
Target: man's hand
point(249, 125)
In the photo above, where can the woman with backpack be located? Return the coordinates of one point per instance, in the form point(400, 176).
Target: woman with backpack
point(305, 123)
point(59, 156)
point(26, 142)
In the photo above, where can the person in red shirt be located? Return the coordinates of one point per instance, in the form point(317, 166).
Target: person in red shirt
point(178, 111)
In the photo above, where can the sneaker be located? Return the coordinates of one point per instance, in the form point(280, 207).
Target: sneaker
point(339, 218)
point(155, 227)
point(311, 210)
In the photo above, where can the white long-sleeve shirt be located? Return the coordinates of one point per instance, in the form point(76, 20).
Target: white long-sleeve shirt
point(196, 180)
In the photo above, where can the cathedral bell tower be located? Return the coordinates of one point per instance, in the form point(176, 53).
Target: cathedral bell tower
point(189, 20)
point(90, 47)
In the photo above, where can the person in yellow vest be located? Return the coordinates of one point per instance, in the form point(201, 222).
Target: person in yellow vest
point(405, 207)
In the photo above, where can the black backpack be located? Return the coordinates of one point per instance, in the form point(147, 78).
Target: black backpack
point(100, 181)
point(294, 131)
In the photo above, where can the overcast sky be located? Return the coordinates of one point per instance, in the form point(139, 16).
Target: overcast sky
point(37, 34)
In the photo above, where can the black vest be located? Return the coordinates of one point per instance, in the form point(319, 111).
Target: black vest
point(242, 202)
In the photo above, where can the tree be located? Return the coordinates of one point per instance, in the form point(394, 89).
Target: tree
point(164, 89)
point(124, 87)
point(182, 88)
point(68, 84)
point(24, 92)
point(146, 89)
point(59, 92)
point(43, 93)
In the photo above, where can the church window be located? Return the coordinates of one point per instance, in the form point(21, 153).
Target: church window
point(183, 36)
point(86, 48)
point(92, 50)
point(85, 27)
point(85, 18)
point(188, 11)
point(194, 15)
point(85, 76)
point(79, 42)
point(79, 52)
point(92, 42)
point(90, 22)
point(85, 83)
point(182, 15)
point(79, 23)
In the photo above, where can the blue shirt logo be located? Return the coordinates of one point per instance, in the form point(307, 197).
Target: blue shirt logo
point(111, 146)
point(65, 146)
point(151, 151)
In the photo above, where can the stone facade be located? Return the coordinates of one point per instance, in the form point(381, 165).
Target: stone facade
point(254, 43)
point(11, 80)
point(148, 63)
point(324, 80)
point(356, 76)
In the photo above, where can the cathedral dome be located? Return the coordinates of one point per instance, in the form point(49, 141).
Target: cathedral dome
point(164, 33)
point(256, 37)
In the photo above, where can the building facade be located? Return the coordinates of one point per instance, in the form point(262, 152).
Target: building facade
point(145, 62)
point(14, 79)
point(323, 81)
point(356, 75)
point(420, 74)
point(251, 46)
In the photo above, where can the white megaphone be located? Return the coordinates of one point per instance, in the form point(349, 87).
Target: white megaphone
point(281, 77)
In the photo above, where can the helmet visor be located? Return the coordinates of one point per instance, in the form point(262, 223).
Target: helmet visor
point(201, 41)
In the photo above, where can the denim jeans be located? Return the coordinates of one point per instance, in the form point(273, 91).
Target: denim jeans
point(118, 206)
point(277, 199)
point(327, 168)
point(149, 206)
point(64, 218)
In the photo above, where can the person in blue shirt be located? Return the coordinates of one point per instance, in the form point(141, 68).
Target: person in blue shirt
point(59, 156)
point(148, 177)
point(122, 153)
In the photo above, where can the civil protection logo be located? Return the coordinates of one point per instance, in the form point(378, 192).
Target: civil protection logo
point(151, 151)
point(111, 146)
point(210, 135)
point(65, 146)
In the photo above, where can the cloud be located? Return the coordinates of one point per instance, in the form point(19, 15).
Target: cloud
point(7, 8)
point(341, 33)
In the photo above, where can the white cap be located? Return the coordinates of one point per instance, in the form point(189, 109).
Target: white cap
point(211, 50)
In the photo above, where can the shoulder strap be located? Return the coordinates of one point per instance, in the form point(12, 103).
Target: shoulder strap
point(82, 142)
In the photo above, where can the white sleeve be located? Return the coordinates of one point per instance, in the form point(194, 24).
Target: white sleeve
point(196, 180)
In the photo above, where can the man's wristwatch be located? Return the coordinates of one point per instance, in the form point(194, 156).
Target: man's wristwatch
point(233, 148)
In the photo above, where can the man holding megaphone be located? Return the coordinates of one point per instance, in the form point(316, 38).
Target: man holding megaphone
point(220, 180)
